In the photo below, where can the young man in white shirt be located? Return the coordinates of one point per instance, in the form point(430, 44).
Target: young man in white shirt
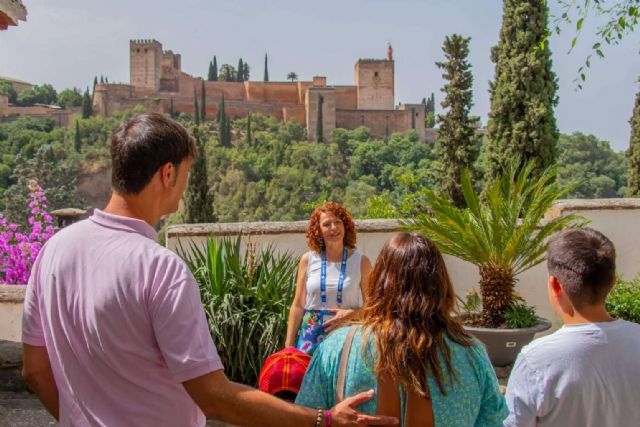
point(587, 373)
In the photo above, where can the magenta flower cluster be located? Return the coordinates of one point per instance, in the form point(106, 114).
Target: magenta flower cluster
point(18, 250)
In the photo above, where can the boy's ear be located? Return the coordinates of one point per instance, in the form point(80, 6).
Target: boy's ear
point(554, 286)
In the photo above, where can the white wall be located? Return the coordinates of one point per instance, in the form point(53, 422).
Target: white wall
point(618, 219)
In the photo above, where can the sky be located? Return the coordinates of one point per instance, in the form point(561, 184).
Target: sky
point(66, 43)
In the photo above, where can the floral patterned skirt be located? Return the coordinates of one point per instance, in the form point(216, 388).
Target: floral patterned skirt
point(311, 332)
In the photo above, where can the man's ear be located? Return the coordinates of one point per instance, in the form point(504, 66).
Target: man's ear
point(555, 287)
point(168, 174)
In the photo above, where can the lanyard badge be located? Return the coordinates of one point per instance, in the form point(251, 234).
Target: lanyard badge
point(323, 278)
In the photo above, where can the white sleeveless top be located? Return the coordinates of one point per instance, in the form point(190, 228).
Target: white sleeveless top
point(351, 293)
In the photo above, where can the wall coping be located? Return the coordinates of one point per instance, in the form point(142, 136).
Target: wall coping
point(596, 204)
point(373, 225)
point(279, 227)
point(12, 293)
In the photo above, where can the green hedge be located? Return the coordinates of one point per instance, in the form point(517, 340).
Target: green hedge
point(623, 301)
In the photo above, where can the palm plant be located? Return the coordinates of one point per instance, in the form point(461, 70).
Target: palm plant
point(292, 76)
point(503, 233)
point(246, 298)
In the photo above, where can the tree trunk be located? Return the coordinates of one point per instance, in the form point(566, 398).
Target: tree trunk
point(496, 289)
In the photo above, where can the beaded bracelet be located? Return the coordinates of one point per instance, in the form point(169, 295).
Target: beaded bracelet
point(327, 418)
point(319, 417)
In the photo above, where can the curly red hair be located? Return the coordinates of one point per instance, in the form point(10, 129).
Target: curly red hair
point(314, 235)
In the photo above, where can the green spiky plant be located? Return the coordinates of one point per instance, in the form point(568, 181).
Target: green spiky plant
point(503, 233)
point(246, 297)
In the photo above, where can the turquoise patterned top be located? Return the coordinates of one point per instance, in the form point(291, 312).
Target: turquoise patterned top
point(473, 400)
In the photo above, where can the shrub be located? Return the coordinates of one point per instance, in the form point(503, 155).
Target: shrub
point(623, 301)
point(246, 298)
point(18, 251)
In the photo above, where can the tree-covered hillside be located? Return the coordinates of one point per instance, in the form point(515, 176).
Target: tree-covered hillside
point(274, 174)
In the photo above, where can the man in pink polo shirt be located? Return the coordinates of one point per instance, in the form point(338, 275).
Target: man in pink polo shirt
point(114, 332)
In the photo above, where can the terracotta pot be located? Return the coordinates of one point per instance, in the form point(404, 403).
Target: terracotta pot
point(503, 345)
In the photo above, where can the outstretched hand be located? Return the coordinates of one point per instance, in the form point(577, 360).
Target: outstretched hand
point(344, 414)
point(340, 315)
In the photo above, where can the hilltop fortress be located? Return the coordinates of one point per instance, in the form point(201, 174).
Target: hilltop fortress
point(156, 78)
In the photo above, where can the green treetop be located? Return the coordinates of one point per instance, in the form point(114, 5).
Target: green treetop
point(240, 75)
point(215, 69)
point(456, 147)
point(87, 105)
point(266, 69)
point(521, 121)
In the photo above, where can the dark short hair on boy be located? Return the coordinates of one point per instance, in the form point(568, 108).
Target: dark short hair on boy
point(584, 262)
point(141, 145)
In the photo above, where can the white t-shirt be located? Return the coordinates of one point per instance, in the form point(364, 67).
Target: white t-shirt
point(351, 292)
point(585, 375)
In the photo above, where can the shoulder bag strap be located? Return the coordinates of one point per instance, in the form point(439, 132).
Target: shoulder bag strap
point(342, 369)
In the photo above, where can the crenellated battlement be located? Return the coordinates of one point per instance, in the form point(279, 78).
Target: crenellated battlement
point(143, 42)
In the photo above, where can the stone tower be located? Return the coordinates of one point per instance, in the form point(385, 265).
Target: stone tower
point(375, 84)
point(144, 67)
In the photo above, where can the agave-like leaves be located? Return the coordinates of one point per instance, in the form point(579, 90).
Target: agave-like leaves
point(506, 228)
point(247, 306)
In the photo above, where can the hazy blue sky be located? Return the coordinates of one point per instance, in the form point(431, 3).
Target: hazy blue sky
point(66, 43)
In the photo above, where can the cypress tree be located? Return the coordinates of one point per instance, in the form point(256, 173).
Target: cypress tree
point(240, 75)
point(249, 128)
point(199, 200)
point(633, 153)
point(77, 137)
point(106, 79)
point(319, 127)
point(172, 113)
point(456, 146)
point(215, 69)
point(224, 127)
point(210, 73)
point(95, 82)
point(87, 108)
point(521, 120)
point(101, 79)
point(196, 110)
point(203, 103)
point(245, 69)
point(266, 69)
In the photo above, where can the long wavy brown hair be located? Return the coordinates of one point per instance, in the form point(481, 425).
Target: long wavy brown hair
point(408, 308)
point(314, 234)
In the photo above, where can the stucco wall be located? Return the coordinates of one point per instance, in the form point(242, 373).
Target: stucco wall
point(11, 297)
point(619, 219)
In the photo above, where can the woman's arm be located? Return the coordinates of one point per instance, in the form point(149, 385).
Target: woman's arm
point(297, 307)
point(365, 272)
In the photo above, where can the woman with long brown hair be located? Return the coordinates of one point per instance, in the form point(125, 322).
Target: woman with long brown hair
point(426, 368)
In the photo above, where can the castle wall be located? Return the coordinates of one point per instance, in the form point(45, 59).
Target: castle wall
point(382, 123)
point(328, 112)
point(295, 113)
point(346, 97)
point(61, 116)
point(417, 113)
point(375, 84)
point(233, 91)
point(272, 92)
point(145, 69)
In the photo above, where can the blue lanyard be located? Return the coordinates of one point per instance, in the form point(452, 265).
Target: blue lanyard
point(323, 277)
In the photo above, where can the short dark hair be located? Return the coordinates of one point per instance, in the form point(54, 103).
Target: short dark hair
point(141, 145)
point(584, 262)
